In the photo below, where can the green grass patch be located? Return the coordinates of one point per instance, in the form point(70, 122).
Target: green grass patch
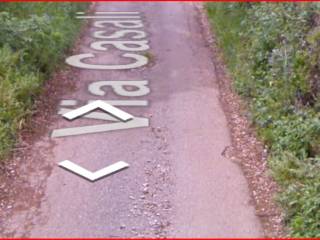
point(272, 52)
point(33, 40)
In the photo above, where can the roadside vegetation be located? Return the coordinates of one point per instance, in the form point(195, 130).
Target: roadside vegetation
point(33, 40)
point(273, 54)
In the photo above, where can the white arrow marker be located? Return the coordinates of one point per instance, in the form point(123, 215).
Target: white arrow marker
point(118, 113)
point(93, 176)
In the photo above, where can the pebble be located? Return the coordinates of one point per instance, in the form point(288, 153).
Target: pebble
point(146, 190)
point(142, 197)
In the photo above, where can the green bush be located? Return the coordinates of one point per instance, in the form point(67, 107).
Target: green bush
point(300, 199)
point(272, 51)
point(33, 39)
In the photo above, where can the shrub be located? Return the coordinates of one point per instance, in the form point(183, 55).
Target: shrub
point(33, 39)
point(274, 58)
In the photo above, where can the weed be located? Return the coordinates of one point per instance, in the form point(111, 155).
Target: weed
point(33, 38)
point(272, 51)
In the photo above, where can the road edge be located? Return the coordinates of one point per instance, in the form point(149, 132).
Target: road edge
point(253, 159)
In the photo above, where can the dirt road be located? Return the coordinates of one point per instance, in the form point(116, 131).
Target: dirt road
point(178, 183)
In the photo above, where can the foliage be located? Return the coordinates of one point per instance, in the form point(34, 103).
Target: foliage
point(33, 38)
point(272, 51)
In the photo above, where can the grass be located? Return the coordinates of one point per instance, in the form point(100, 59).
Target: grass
point(228, 31)
point(272, 52)
point(33, 40)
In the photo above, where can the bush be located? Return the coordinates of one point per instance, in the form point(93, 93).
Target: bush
point(274, 58)
point(33, 38)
